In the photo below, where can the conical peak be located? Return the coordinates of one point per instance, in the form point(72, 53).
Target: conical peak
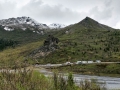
point(88, 18)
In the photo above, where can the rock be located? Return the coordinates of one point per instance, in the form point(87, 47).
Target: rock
point(49, 45)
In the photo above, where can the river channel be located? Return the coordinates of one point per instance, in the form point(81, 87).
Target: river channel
point(111, 83)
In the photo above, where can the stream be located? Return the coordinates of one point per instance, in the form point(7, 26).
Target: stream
point(111, 83)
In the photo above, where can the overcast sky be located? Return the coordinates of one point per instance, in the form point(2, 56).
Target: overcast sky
point(63, 11)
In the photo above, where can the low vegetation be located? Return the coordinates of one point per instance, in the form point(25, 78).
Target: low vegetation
point(18, 55)
point(24, 79)
point(93, 69)
point(95, 45)
point(5, 43)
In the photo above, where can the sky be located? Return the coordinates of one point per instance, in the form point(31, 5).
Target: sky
point(63, 11)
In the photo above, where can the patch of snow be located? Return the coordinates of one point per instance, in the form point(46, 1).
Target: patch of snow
point(42, 32)
point(56, 26)
point(24, 29)
point(8, 29)
point(66, 32)
point(38, 32)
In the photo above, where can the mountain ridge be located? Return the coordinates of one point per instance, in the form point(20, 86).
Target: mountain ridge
point(25, 22)
point(91, 23)
point(22, 22)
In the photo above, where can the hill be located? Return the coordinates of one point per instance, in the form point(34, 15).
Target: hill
point(86, 40)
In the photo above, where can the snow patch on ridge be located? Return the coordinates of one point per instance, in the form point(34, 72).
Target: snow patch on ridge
point(56, 26)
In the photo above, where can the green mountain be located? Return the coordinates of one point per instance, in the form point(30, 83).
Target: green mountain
point(86, 40)
point(24, 36)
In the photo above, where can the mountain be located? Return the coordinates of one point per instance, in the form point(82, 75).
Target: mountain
point(27, 22)
point(21, 22)
point(56, 26)
point(24, 29)
point(91, 23)
point(86, 25)
point(85, 40)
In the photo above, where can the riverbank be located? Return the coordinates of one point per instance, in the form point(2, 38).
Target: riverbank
point(110, 83)
point(111, 70)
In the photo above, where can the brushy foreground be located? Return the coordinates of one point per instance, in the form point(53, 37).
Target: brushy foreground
point(33, 80)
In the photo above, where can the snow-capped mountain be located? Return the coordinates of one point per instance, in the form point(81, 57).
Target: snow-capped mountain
point(56, 26)
point(27, 22)
point(21, 22)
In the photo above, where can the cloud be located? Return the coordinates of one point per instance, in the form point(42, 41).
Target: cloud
point(98, 14)
point(63, 11)
point(117, 25)
point(55, 13)
point(7, 9)
point(107, 13)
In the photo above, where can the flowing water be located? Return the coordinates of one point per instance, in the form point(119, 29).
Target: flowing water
point(111, 83)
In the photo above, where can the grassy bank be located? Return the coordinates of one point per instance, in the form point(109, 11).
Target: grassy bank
point(93, 69)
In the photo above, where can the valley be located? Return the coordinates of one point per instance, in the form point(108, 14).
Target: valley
point(87, 40)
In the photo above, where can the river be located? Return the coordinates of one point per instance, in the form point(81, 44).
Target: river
point(111, 83)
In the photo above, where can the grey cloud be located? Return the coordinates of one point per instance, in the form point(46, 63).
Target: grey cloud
point(47, 13)
point(115, 9)
point(75, 4)
point(7, 10)
point(100, 15)
point(105, 13)
point(64, 11)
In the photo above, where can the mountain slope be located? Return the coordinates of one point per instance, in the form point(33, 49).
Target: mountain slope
point(22, 36)
point(86, 40)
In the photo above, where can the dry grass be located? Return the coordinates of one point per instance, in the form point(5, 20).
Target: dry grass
point(11, 56)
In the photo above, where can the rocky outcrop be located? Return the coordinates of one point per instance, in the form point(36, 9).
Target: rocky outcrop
point(49, 45)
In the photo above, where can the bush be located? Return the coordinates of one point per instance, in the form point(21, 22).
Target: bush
point(113, 69)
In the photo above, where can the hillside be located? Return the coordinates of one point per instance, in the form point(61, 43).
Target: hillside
point(86, 40)
point(25, 29)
